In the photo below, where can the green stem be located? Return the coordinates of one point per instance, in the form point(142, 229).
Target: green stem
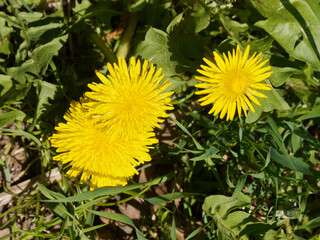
point(124, 46)
point(109, 55)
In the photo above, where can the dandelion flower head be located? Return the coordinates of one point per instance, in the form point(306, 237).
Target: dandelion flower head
point(92, 151)
point(232, 82)
point(130, 101)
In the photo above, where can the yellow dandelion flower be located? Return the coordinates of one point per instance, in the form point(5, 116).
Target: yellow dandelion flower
point(130, 101)
point(233, 82)
point(92, 151)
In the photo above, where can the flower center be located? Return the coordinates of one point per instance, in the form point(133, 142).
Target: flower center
point(236, 82)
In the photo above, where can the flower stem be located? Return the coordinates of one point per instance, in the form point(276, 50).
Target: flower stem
point(124, 46)
point(109, 55)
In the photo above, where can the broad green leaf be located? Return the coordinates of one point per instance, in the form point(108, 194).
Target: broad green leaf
point(157, 49)
point(221, 205)
point(235, 29)
point(120, 218)
point(273, 101)
point(199, 19)
point(271, 235)
point(295, 25)
point(6, 84)
point(30, 16)
point(294, 163)
point(6, 47)
point(8, 117)
point(281, 74)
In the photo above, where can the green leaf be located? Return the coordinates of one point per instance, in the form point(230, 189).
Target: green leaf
point(234, 224)
point(281, 74)
point(221, 205)
point(110, 190)
point(315, 113)
point(8, 117)
point(47, 92)
point(38, 64)
point(6, 84)
point(294, 163)
point(21, 133)
point(198, 145)
point(34, 33)
point(157, 49)
point(44, 53)
point(11, 20)
point(210, 153)
point(48, 193)
point(30, 16)
point(191, 46)
point(273, 101)
point(174, 23)
point(6, 47)
point(120, 218)
point(295, 25)
point(199, 19)
point(312, 224)
point(234, 28)
point(169, 197)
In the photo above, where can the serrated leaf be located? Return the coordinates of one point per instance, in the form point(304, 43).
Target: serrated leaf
point(44, 53)
point(8, 117)
point(34, 33)
point(37, 65)
point(47, 92)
